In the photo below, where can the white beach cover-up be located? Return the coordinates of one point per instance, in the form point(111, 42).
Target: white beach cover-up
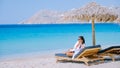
point(77, 49)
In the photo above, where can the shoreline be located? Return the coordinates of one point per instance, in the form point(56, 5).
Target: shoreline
point(31, 54)
point(61, 23)
point(38, 54)
point(49, 61)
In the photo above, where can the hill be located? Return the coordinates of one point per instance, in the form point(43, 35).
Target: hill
point(83, 14)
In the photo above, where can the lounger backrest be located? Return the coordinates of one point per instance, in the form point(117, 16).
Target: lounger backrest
point(110, 49)
point(87, 51)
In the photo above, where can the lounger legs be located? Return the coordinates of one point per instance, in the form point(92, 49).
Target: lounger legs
point(113, 59)
point(86, 63)
point(82, 59)
point(110, 55)
point(56, 61)
point(85, 60)
point(102, 60)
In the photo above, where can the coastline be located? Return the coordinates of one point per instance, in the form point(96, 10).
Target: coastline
point(30, 55)
point(56, 24)
point(48, 60)
point(71, 23)
point(38, 54)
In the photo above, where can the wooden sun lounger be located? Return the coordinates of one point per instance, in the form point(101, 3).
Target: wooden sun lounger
point(110, 51)
point(88, 54)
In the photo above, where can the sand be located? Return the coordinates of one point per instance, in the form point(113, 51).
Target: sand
point(49, 61)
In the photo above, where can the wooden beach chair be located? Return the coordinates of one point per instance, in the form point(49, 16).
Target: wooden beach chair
point(88, 54)
point(111, 51)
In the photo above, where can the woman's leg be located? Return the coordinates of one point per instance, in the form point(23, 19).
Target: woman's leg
point(70, 53)
point(74, 54)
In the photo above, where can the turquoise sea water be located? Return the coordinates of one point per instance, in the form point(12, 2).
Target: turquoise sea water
point(18, 39)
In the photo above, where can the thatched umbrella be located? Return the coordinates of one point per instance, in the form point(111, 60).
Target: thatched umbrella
point(97, 13)
point(94, 12)
point(107, 17)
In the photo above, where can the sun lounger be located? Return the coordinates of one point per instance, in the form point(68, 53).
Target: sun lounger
point(88, 54)
point(110, 51)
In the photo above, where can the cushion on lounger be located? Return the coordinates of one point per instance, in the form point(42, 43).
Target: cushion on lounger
point(109, 48)
point(60, 55)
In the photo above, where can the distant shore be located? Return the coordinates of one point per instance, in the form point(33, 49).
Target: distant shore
point(82, 14)
point(75, 23)
point(60, 23)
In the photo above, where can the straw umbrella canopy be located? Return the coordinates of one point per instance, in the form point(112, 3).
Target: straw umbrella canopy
point(91, 12)
point(97, 13)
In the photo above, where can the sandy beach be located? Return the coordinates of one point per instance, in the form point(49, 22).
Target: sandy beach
point(49, 61)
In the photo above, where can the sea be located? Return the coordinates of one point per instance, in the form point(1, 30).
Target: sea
point(40, 38)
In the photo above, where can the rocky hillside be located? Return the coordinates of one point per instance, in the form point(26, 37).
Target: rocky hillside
point(79, 15)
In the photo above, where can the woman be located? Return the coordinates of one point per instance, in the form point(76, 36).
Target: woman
point(80, 44)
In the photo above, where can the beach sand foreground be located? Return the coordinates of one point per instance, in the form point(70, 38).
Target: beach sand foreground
point(49, 61)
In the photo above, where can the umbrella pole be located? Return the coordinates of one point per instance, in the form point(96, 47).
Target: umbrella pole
point(93, 32)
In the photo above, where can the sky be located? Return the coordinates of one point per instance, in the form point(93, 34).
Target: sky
point(15, 11)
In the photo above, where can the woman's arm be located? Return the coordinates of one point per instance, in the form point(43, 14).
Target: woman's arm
point(75, 46)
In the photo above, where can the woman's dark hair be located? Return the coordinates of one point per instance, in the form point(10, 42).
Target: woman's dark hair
point(82, 38)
